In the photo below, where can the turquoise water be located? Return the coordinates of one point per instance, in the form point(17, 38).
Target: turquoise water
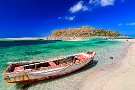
point(11, 51)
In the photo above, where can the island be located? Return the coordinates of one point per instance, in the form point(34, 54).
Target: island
point(80, 33)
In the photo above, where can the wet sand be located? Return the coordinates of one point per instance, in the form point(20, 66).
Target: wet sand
point(120, 76)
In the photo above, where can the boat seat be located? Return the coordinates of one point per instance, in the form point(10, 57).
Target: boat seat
point(52, 64)
point(81, 57)
point(18, 69)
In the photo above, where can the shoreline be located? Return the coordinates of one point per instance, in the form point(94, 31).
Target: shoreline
point(106, 38)
point(120, 76)
point(25, 38)
point(54, 38)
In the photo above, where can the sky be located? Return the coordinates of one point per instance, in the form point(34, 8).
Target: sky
point(38, 18)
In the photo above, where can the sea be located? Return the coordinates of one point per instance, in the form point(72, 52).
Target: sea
point(20, 50)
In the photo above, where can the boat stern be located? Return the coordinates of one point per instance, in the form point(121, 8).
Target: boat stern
point(11, 78)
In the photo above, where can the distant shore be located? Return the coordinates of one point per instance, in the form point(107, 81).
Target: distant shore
point(56, 38)
point(23, 38)
point(49, 38)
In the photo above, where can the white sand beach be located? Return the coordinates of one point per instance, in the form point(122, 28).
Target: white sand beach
point(123, 40)
point(120, 76)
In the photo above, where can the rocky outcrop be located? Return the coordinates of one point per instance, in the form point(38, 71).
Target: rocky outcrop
point(84, 31)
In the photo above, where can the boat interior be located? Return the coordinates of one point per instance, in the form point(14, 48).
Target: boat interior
point(46, 64)
point(39, 65)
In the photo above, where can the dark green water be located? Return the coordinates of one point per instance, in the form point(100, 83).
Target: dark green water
point(11, 51)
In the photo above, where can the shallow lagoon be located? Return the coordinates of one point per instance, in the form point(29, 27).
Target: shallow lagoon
point(11, 51)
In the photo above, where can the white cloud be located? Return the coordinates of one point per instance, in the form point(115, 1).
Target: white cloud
point(85, 8)
point(130, 23)
point(102, 2)
point(77, 7)
point(94, 1)
point(67, 18)
point(106, 2)
point(81, 6)
point(70, 18)
point(120, 24)
point(91, 1)
point(59, 17)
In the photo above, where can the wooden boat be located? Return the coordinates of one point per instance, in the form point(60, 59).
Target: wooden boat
point(30, 71)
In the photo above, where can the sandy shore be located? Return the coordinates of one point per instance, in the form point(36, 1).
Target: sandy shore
point(124, 40)
point(120, 76)
point(26, 38)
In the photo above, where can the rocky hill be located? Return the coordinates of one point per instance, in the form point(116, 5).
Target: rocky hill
point(84, 31)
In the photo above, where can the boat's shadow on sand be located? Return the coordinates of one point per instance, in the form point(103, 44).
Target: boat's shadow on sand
point(25, 86)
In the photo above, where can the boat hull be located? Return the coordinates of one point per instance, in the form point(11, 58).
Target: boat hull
point(45, 74)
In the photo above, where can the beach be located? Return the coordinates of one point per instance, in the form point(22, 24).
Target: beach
point(120, 76)
point(67, 45)
point(97, 76)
